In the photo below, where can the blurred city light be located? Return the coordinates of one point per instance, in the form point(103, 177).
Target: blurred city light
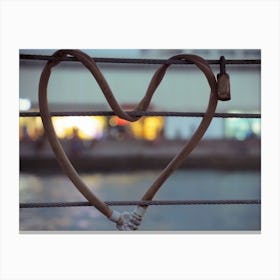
point(90, 127)
point(24, 104)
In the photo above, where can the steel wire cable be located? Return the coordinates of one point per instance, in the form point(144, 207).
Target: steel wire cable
point(141, 60)
point(141, 203)
point(142, 113)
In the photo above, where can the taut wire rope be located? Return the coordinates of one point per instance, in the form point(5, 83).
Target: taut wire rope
point(142, 202)
point(36, 57)
point(142, 114)
point(126, 220)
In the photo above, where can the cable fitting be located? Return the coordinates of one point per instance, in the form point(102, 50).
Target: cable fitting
point(128, 220)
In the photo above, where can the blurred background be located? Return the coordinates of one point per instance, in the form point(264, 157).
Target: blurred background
point(119, 160)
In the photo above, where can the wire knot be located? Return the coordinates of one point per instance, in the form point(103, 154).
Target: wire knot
point(128, 220)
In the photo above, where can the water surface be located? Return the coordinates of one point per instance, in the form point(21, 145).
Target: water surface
point(183, 184)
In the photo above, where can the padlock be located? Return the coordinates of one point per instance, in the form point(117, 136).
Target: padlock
point(223, 85)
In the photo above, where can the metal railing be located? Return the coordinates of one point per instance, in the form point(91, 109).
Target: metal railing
point(144, 113)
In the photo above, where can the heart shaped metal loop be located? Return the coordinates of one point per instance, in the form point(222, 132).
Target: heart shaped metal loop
point(125, 221)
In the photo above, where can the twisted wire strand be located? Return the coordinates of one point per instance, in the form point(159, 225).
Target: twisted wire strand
point(141, 60)
point(143, 113)
point(140, 203)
